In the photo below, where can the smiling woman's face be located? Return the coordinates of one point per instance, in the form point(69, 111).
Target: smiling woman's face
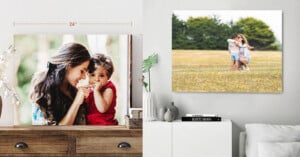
point(75, 74)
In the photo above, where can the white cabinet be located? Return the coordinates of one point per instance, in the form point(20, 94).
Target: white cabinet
point(187, 139)
point(157, 139)
point(207, 139)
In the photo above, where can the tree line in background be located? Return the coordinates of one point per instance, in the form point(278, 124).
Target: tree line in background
point(210, 33)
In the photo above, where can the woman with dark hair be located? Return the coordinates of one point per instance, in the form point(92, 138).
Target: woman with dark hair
point(244, 53)
point(56, 99)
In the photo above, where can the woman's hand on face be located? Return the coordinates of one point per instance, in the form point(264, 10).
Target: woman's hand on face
point(82, 93)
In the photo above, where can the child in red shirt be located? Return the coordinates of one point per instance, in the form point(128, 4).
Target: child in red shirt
point(101, 101)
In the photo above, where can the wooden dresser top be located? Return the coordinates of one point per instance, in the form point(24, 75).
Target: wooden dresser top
point(100, 131)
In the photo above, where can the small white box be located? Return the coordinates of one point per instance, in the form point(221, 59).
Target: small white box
point(136, 113)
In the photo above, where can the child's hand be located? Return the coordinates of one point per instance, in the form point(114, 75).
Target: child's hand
point(236, 42)
point(99, 85)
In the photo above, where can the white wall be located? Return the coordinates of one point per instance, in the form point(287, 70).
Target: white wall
point(240, 108)
point(63, 12)
point(69, 10)
point(153, 19)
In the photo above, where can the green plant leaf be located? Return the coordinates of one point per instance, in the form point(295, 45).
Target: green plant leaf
point(148, 63)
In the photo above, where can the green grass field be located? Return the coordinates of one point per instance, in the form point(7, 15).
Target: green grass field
point(210, 71)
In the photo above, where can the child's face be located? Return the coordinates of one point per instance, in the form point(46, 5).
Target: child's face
point(238, 38)
point(99, 75)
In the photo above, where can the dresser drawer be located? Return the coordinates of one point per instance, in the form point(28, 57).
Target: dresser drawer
point(35, 145)
point(109, 145)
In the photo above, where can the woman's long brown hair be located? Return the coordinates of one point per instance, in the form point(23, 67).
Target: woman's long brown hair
point(46, 84)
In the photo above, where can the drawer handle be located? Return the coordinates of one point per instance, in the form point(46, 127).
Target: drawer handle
point(124, 145)
point(21, 145)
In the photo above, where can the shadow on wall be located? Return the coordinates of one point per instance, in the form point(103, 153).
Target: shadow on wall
point(235, 139)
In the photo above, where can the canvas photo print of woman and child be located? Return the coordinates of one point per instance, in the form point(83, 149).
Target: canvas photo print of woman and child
point(79, 83)
point(227, 51)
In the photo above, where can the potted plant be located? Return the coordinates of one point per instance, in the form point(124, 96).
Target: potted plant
point(148, 105)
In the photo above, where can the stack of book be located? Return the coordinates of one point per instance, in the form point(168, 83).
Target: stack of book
point(201, 117)
point(133, 123)
point(135, 118)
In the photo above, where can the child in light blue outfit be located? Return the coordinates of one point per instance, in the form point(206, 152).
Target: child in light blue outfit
point(234, 49)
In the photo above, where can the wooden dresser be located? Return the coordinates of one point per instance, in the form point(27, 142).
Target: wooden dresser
point(100, 141)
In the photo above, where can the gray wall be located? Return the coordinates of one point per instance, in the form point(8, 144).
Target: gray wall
point(240, 108)
point(136, 70)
